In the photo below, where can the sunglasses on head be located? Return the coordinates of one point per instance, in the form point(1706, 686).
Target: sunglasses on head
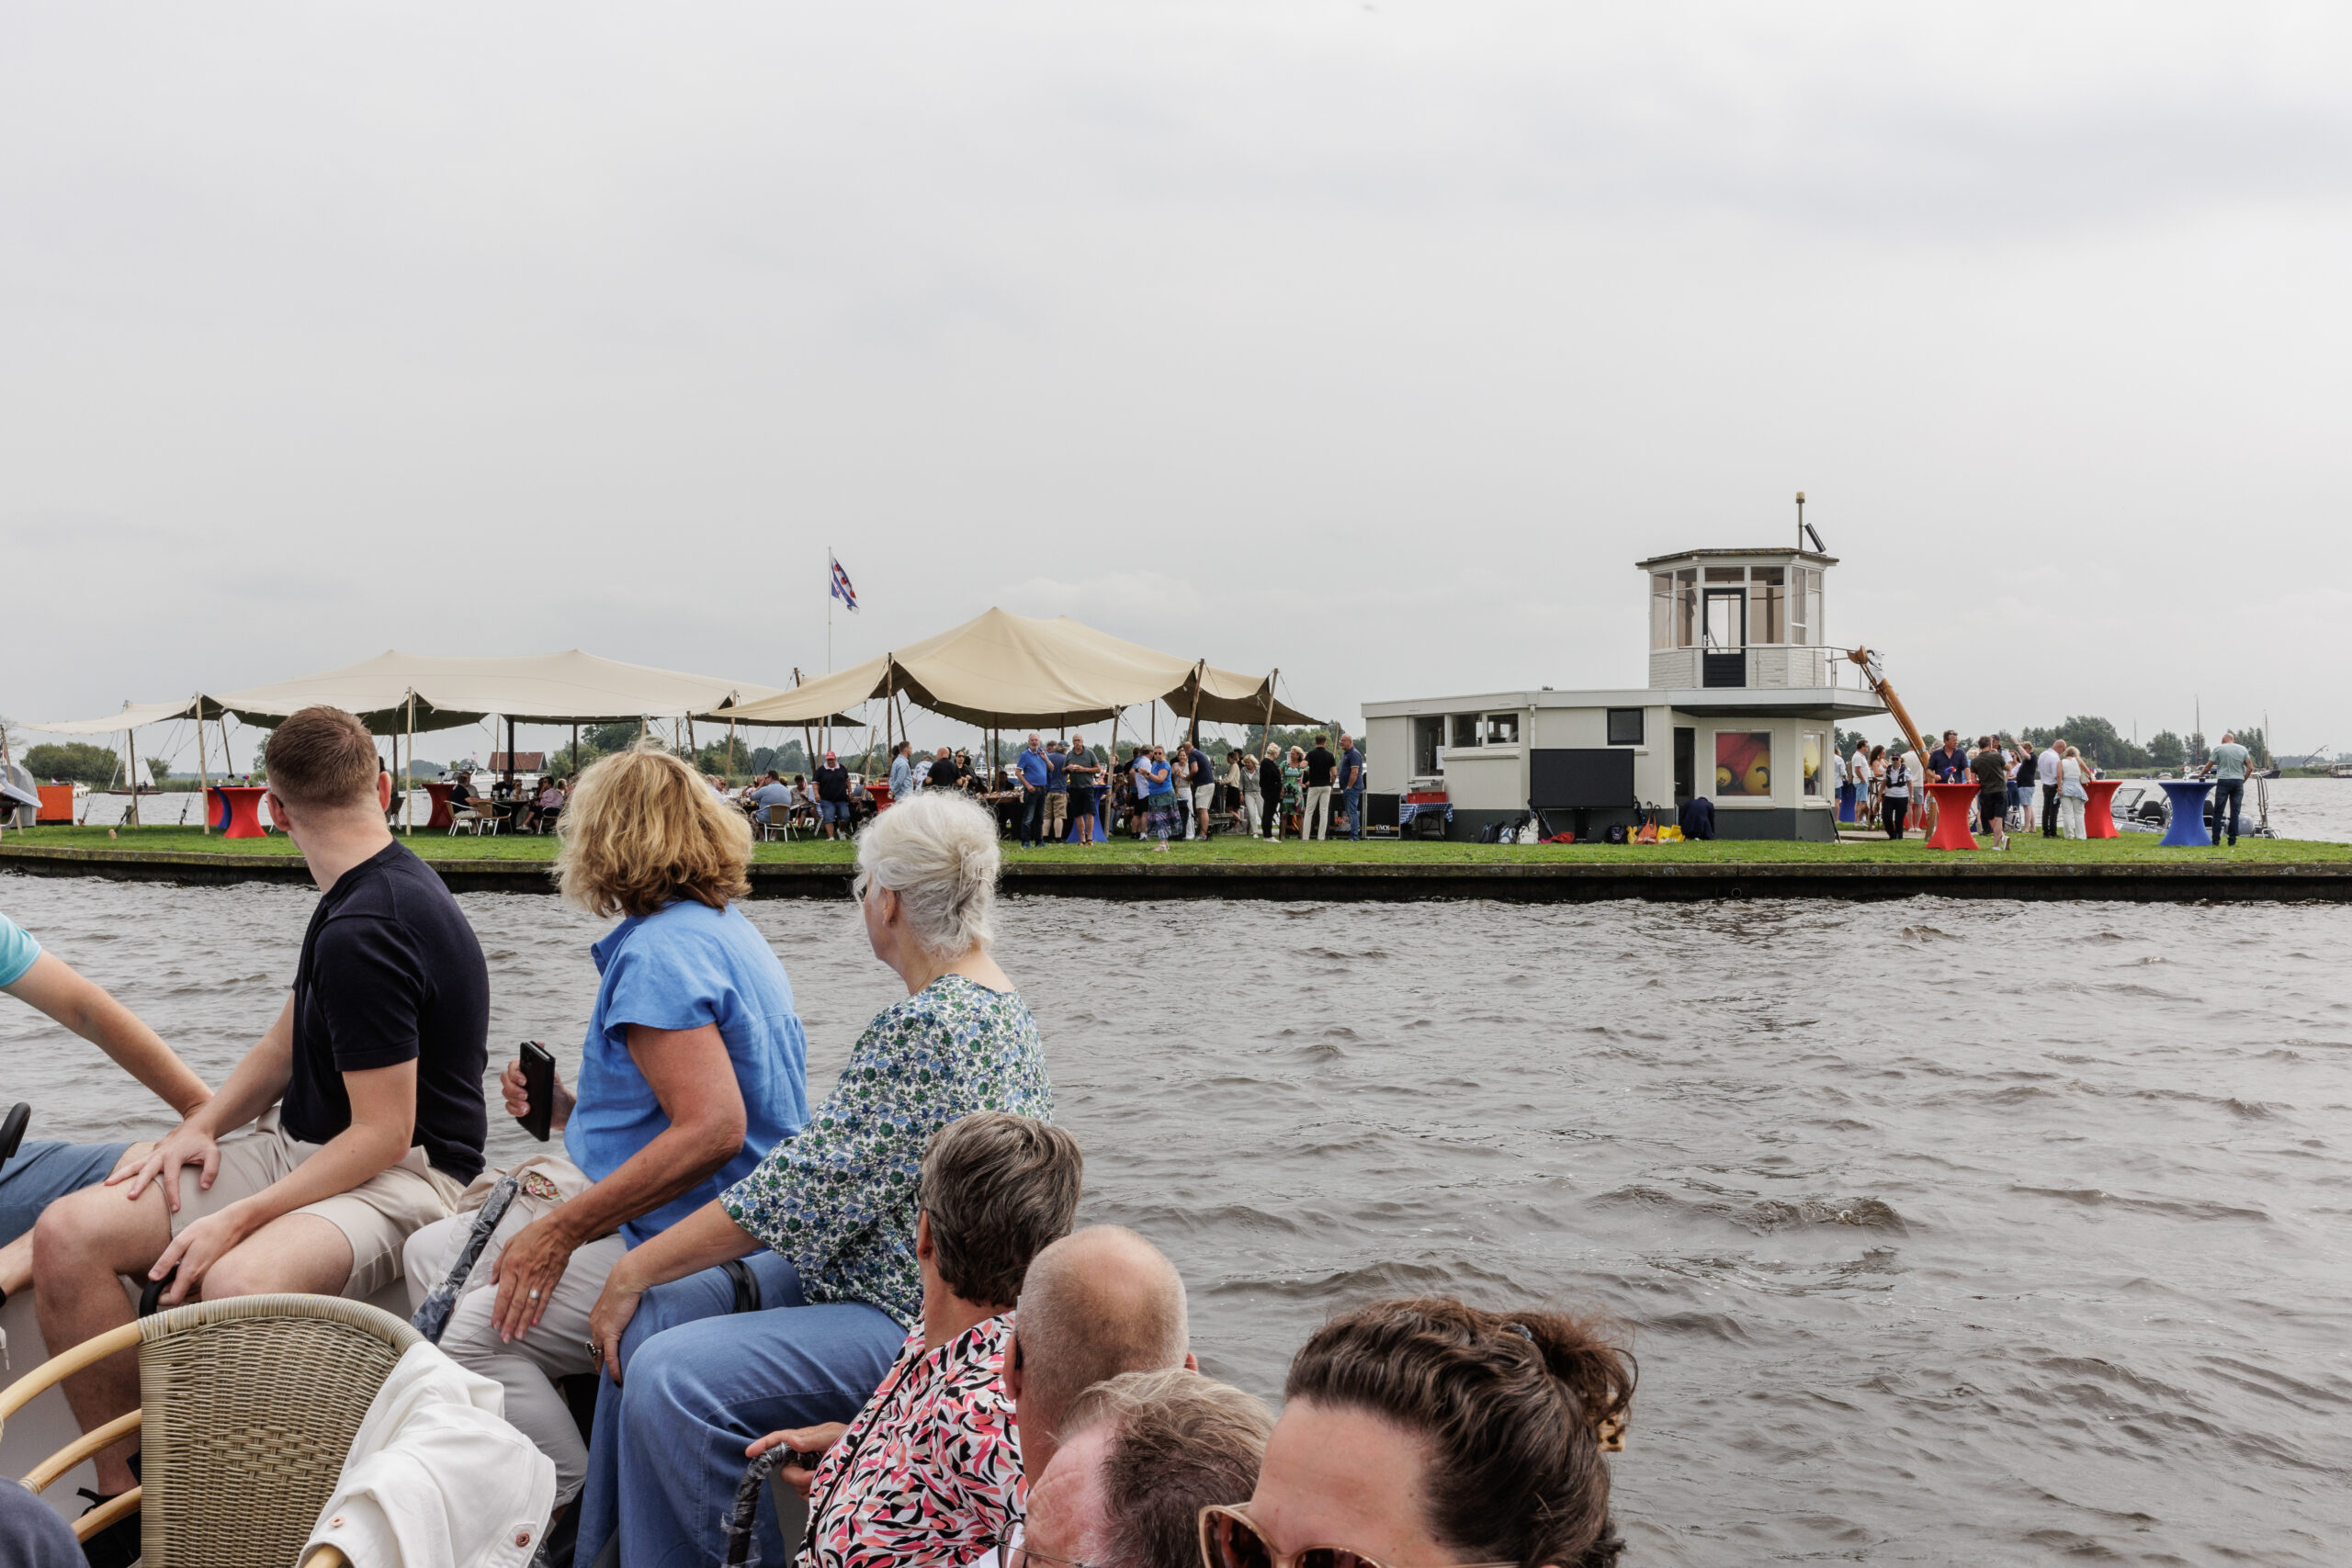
point(1229, 1541)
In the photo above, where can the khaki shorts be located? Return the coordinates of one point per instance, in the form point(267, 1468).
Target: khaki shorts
point(375, 1217)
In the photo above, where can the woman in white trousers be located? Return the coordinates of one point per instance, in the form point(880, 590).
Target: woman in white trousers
point(2073, 797)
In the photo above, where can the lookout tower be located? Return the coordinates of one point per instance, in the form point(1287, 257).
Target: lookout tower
point(1744, 698)
point(1738, 618)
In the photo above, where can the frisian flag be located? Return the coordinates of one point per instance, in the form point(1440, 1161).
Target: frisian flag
point(841, 589)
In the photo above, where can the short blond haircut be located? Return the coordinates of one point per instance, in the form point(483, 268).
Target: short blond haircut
point(642, 830)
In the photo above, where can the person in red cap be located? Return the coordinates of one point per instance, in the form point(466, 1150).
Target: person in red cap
point(832, 796)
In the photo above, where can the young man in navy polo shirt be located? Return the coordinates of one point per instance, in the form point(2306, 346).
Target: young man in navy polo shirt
point(364, 1098)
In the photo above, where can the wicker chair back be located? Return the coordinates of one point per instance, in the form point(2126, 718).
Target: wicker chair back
point(251, 1405)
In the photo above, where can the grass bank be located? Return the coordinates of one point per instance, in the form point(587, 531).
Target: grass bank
point(2131, 849)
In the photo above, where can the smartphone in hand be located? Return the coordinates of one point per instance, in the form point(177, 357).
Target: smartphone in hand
point(538, 1084)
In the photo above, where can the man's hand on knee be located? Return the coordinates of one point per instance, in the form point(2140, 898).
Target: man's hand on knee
point(183, 1145)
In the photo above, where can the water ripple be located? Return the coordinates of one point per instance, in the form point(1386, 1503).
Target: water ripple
point(1946, 1231)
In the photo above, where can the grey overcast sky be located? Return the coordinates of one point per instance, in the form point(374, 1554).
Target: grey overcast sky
point(1373, 341)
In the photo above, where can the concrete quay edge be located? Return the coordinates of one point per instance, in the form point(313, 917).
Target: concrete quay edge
point(1563, 881)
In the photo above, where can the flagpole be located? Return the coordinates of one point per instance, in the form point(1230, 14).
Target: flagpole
point(825, 730)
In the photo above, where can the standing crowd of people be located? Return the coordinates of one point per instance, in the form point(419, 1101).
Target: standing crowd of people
point(886, 1288)
point(1884, 789)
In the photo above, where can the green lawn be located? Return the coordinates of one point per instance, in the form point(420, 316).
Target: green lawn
point(2030, 850)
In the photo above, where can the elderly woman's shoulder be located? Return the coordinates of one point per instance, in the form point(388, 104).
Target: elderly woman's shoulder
point(953, 1009)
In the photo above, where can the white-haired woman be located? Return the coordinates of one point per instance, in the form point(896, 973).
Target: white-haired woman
point(688, 1382)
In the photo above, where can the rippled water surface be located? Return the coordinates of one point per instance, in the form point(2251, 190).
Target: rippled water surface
point(1946, 1232)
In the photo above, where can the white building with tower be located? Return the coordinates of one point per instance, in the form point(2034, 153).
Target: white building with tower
point(1743, 705)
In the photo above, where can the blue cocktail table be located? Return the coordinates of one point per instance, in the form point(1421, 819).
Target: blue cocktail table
point(2187, 830)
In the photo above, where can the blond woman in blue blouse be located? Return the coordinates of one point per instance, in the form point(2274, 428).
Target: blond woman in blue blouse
point(783, 1302)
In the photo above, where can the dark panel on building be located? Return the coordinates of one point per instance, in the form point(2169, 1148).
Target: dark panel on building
point(1574, 778)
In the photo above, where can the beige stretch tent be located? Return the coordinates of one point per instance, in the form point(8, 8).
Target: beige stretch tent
point(1000, 668)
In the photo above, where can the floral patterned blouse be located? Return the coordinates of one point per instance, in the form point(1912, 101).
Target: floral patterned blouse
point(929, 1474)
point(838, 1201)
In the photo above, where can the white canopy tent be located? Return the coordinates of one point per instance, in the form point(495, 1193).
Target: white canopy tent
point(134, 717)
point(398, 693)
point(396, 690)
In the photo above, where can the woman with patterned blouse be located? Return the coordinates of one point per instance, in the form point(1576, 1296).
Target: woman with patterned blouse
point(929, 1474)
point(706, 1340)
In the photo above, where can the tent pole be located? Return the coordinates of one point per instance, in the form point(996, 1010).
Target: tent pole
point(1194, 738)
point(807, 745)
point(408, 801)
point(575, 749)
point(203, 780)
point(130, 767)
point(730, 748)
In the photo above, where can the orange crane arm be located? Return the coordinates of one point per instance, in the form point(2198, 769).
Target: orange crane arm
point(1876, 676)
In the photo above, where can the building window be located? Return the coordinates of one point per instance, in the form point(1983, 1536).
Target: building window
point(1799, 624)
point(1661, 610)
point(1502, 729)
point(1812, 738)
point(1686, 607)
point(1744, 763)
point(1625, 726)
point(1428, 747)
point(1815, 626)
point(1767, 605)
point(1727, 574)
point(1465, 729)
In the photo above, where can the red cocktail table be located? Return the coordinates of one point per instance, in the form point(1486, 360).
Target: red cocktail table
point(2098, 822)
point(440, 794)
point(236, 811)
point(1952, 801)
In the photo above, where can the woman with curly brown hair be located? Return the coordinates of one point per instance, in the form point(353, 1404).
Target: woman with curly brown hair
point(694, 1066)
point(1428, 1434)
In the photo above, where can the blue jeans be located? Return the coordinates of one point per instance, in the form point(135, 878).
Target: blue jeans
point(2234, 792)
point(1033, 813)
point(698, 1385)
point(1356, 811)
point(40, 1174)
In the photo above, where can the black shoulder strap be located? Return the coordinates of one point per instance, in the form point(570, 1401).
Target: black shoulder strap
point(747, 1286)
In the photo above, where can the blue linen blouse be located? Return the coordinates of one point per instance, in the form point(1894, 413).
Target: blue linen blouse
point(680, 968)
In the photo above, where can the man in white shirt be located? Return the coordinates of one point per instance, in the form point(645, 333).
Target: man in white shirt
point(2049, 769)
point(1837, 784)
point(2230, 762)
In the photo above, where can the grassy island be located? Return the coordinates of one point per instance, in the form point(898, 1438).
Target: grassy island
point(2129, 849)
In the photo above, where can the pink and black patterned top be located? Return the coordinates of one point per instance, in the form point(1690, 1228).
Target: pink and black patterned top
point(929, 1474)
